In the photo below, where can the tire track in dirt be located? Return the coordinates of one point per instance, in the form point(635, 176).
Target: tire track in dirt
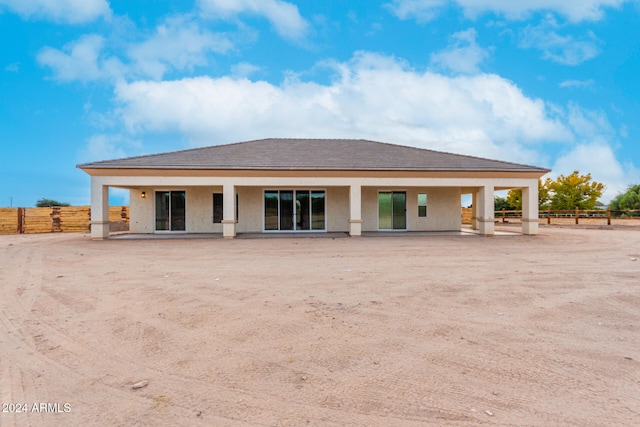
point(20, 363)
point(238, 355)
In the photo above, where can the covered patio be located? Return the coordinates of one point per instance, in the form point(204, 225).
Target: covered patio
point(282, 186)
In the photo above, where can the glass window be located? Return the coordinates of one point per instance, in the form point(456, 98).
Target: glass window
point(162, 210)
point(302, 210)
point(286, 210)
point(294, 210)
point(385, 211)
point(422, 205)
point(399, 201)
point(218, 208)
point(171, 211)
point(392, 210)
point(178, 211)
point(317, 210)
point(270, 210)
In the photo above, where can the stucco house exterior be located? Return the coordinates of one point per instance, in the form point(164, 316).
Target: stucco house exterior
point(306, 186)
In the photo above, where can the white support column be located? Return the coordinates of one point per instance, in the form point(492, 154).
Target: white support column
point(530, 209)
point(475, 209)
point(229, 211)
point(486, 210)
point(355, 210)
point(99, 209)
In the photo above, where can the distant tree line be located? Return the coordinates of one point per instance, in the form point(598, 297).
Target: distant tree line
point(630, 200)
point(564, 193)
point(571, 192)
point(48, 203)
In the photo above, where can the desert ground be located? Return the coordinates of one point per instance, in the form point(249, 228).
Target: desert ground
point(401, 331)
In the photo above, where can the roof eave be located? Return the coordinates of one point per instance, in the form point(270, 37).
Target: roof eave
point(305, 169)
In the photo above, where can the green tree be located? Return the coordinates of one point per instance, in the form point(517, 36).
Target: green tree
point(514, 197)
point(630, 200)
point(544, 193)
point(47, 203)
point(574, 191)
point(501, 203)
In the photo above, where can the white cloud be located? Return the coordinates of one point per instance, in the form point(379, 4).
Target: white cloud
point(594, 152)
point(565, 50)
point(68, 11)
point(463, 55)
point(13, 67)
point(244, 70)
point(598, 159)
point(374, 97)
point(104, 146)
point(577, 83)
point(573, 10)
point(176, 44)
point(421, 10)
point(81, 60)
point(589, 124)
point(284, 16)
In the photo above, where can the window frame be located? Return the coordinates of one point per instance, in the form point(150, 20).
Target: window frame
point(219, 196)
point(423, 213)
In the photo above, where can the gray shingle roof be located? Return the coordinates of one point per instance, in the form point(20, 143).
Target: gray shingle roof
point(312, 154)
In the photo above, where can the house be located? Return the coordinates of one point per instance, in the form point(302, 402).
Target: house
point(307, 185)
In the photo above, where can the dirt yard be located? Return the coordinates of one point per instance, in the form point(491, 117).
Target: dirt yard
point(404, 331)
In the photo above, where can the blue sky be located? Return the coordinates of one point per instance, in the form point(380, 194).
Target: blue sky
point(542, 82)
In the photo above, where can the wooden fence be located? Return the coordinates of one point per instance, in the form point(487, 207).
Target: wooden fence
point(54, 219)
point(467, 214)
point(574, 215)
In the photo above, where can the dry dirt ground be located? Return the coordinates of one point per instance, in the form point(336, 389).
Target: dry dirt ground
point(405, 331)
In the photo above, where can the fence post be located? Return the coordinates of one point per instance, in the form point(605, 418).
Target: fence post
point(20, 220)
point(608, 215)
point(503, 215)
point(577, 215)
point(55, 219)
point(549, 216)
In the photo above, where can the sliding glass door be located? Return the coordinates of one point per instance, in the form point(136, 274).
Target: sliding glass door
point(294, 210)
point(171, 211)
point(392, 210)
point(286, 210)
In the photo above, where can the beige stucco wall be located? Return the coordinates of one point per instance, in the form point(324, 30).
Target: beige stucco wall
point(337, 209)
point(443, 209)
point(250, 208)
point(199, 209)
point(444, 212)
point(443, 189)
point(141, 211)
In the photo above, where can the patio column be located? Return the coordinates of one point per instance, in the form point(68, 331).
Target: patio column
point(229, 211)
point(474, 210)
point(99, 209)
point(530, 209)
point(486, 210)
point(355, 210)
